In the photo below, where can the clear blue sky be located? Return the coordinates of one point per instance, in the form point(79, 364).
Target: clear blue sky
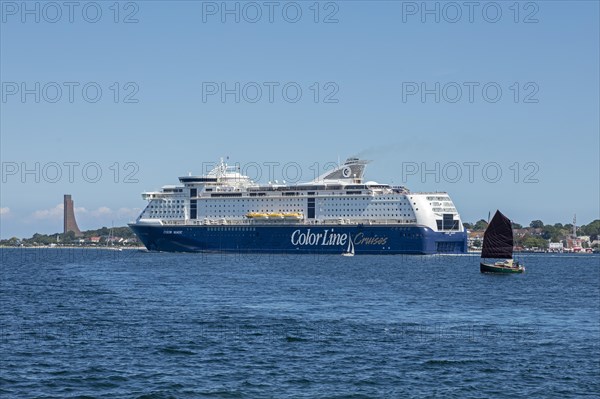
point(376, 55)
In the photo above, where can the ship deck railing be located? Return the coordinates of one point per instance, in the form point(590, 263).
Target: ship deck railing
point(321, 193)
point(248, 222)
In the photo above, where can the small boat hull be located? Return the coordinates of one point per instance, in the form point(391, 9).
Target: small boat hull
point(487, 268)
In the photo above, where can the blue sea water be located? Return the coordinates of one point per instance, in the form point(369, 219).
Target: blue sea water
point(110, 324)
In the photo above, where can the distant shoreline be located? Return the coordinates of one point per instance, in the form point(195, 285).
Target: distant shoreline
point(71, 247)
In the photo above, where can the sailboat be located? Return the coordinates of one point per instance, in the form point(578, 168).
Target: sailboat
point(350, 249)
point(498, 244)
point(109, 240)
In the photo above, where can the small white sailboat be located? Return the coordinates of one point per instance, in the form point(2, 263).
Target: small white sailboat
point(109, 240)
point(350, 249)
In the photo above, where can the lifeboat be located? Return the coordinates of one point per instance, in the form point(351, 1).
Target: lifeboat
point(256, 215)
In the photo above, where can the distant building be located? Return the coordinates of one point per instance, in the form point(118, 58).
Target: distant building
point(555, 247)
point(473, 237)
point(476, 235)
point(69, 222)
point(520, 232)
point(95, 240)
point(585, 239)
point(536, 232)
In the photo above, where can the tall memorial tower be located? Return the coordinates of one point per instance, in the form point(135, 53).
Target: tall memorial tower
point(70, 224)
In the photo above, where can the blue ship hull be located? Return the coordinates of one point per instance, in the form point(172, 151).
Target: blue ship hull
point(295, 238)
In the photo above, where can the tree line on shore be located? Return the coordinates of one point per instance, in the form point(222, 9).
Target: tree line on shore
point(70, 239)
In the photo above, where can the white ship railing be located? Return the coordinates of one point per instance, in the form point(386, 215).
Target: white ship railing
point(245, 222)
point(278, 194)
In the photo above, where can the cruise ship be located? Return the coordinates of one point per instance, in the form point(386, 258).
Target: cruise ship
point(336, 213)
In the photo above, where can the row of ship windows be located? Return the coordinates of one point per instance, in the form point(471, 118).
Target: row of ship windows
point(383, 213)
point(278, 199)
point(257, 200)
point(365, 200)
point(370, 206)
point(353, 210)
point(170, 216)
point(336, 211)
point(235, 228)
point(365, 211)
point(286, 209)
point(323, 193)
point(229, 205)
point(322, 214)
point(325, 206)
point(216, 196)
point(432, 198)
point(368, 199)
point(265, 209)
point(369, 215)
point(247, 206)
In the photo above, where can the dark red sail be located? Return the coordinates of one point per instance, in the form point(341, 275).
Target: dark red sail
point(498, 238)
